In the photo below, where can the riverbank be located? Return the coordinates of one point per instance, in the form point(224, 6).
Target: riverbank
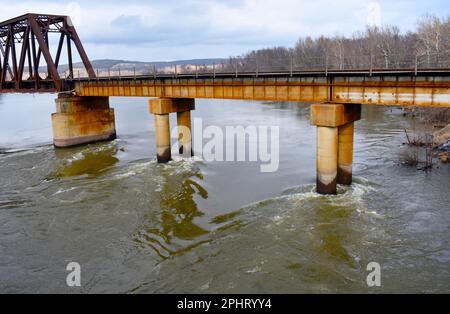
point(433, 139)
point(441, 142)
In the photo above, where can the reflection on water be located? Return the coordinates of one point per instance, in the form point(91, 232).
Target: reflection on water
point(177, 212)
point(189, 226)
point(333, 231)
point(299, 241)
point(85, 161)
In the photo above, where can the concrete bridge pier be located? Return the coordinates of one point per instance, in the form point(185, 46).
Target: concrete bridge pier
point(335, 128)
point(185, 133)
point(345, 153)
point(162, 127)
point(81, 120)
point(161, 108)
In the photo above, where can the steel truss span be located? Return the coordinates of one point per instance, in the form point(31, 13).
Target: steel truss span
point(25, 42)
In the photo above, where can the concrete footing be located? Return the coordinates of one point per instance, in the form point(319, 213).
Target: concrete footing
point(335, 128)
point(161, 108)
point(82, 120)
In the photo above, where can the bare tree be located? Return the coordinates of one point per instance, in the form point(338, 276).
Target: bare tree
point(433, 36)
point(376, 47)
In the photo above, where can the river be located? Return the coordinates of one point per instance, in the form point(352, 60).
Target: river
point(193, 226)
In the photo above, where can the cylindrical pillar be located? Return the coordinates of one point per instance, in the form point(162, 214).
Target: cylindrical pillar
point(162, 128)
point(185, 133)
point(327, 159)
point(345, 153)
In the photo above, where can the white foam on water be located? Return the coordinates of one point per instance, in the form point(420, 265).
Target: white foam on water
point(125, 175)
point(76, 157)
point(181, 165)
point(353, 196)
point(134, 169)
point(61, 190)
point(371, 213)
point(256, 269)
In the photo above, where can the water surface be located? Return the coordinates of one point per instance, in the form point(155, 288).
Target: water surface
point(204, 227)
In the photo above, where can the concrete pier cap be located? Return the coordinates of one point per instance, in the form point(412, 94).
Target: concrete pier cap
point(334, 115)
point(81, 120)
point(171, 105)
point(334, 156)
point(161, 108)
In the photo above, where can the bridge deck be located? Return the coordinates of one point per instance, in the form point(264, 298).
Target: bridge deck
point(385, 87)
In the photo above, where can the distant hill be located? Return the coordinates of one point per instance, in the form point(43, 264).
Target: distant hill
point(126, 65)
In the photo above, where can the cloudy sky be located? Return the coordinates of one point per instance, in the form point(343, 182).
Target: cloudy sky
point(154, 30)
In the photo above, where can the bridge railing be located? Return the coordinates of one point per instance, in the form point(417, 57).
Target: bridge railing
point(284, 64)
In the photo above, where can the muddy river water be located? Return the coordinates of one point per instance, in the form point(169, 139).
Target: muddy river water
point(194, 226)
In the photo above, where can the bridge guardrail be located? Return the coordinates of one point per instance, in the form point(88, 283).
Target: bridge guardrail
point(292, 64)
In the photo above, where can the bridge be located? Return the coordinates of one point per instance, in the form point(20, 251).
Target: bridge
point(83, 114)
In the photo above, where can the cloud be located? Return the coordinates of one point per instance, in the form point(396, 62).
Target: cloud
point(182, 29)
point(373, 14)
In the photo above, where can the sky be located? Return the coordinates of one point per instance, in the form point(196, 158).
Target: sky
point(163, 30)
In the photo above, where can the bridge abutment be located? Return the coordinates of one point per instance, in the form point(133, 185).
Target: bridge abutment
point(161, 108)
point(82, 120)
point(334, 156)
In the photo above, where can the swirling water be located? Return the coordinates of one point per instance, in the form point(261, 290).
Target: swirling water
point(191, 226)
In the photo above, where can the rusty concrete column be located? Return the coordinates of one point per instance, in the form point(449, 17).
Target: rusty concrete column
point(185, 133)
point(345, 153)
point(162, 129)
point(334, 143)
point(161, 108)
point(81, 120)
point(327, 159)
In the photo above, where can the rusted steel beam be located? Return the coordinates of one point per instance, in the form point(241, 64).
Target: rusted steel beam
point(39, 54)
point(417, 91)
point(47, 44)
point(84, 58)
point(6, 59)
point(13, 53)
point(25, 17)
point(30, 64)
point(2, 55)
point(1, 70)
point(58, 52)
point(46, 53)
point(35, 62)
point(69, 55)
point(27, 30)
point(22, 57)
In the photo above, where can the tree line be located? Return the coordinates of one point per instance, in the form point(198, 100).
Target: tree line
point(427, 46)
